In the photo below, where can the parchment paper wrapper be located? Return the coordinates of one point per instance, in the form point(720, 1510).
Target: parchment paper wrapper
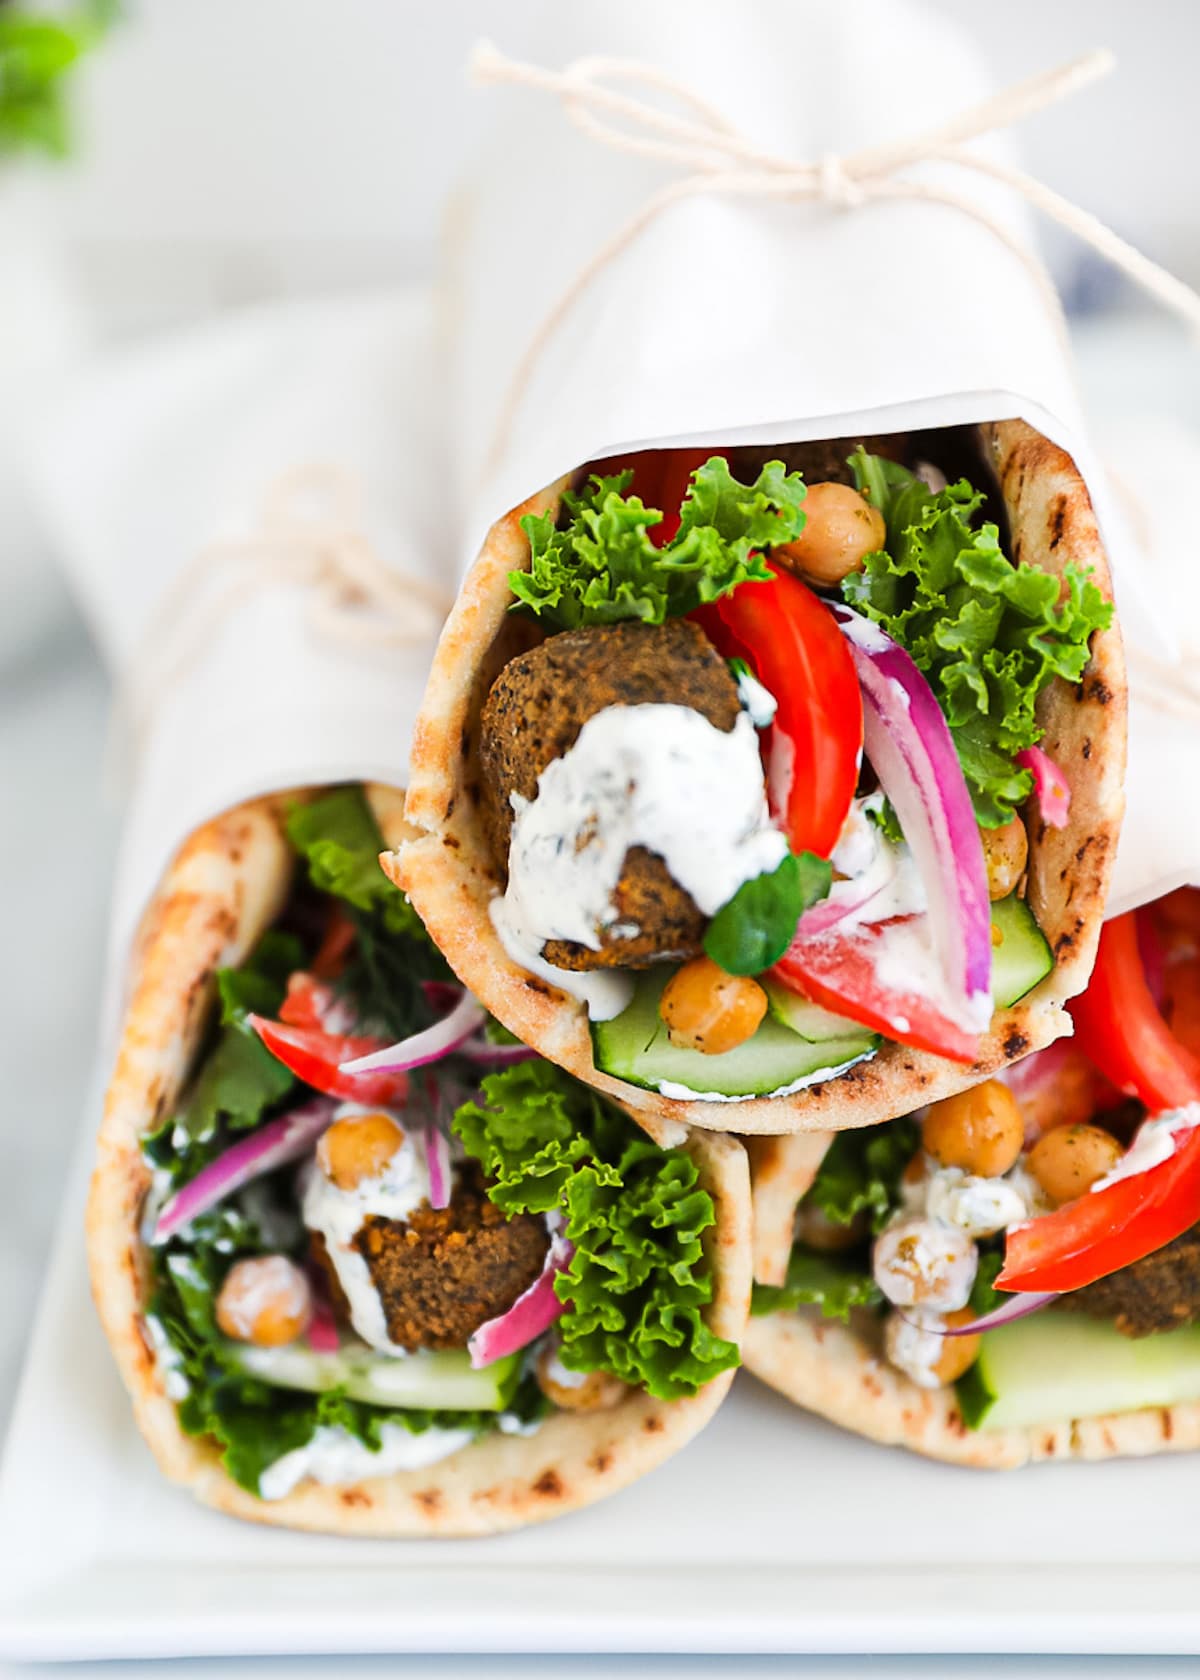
point(158, 452)
point(734, 321)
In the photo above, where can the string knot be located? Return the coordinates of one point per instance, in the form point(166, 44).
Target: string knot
point(836, 184)
point(711, 156)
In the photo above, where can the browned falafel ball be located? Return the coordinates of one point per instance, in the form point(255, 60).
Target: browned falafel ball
point(1161, 1291)
point(533, 715)
point(443, 1272)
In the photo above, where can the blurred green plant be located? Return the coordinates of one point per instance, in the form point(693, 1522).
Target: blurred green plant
point(38, 51)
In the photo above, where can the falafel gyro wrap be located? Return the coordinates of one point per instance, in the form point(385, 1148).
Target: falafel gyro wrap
point(367, 1264)
point(778, 790)
point(1012, 1273)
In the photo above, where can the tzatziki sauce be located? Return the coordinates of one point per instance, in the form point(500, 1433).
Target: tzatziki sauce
point(338, 1215)
point(657, 776)
point(335, 1457)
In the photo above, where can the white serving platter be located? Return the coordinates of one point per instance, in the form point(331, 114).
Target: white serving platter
point(773, 1533)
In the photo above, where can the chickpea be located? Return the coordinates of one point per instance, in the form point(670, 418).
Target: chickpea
point(1005, 854)
point(576, 1391)
point(841, 529)
point(959, 1353)
point(1068, 1160)
point(924, 1263)
point(979, 1130)
point(916, 1343)
point(266, 1301)
point(815, 1230)
point(358, 1147)
point(708, 1010)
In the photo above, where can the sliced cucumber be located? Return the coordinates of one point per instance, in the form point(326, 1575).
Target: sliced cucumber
point(634, 1046)
point(1062, 1365)
point(801, 1015)
point(440, 1381)
point(1022, 957)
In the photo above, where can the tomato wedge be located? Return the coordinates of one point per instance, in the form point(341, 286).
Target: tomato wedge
point(314, 1055)
point(789, 638)
point(841, 974)
point(312, 1003)
point(1119, 1028)
point(336, 945)
point(1105, 1230)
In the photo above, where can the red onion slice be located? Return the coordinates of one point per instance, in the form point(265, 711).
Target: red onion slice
point(441, 1171)
point(909, 745)
point(530, 1314)
point(430, 1045)
point(1017, 1306)
point(323, 1333)
point(1050, 786)
point(273, 1145)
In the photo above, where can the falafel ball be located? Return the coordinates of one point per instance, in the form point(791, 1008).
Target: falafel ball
point(443, 1272)
point(1159, 1292)
point(533, 715)
point(823, 461)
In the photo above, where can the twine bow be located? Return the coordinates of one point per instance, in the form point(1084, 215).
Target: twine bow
point(309, 533)
point(718, 159)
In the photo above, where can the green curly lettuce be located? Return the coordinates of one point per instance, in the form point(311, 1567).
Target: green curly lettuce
point(988, 635)
point(339, 840)
point(639, 1278)
point(601, 566)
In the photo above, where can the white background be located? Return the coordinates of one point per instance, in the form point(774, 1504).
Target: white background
point(232, 151)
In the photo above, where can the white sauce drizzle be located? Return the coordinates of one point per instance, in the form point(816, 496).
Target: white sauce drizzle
point(339, 1215)
point(1153, 1144)
point(756, 700)
point(658, 776)
point(168, 1360)
point(334, 1457)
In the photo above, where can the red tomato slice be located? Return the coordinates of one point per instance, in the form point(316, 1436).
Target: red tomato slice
point(1104, 1230)
point(314, 1056)
point(788, 636)
point(841, 974)
point(1119, 1028)
point(336, 945)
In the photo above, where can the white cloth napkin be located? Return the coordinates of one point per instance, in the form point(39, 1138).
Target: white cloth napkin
point(161, 449)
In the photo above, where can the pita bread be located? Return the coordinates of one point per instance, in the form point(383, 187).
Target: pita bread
point(451, 876)
point(225, 887)
point(839, 1372)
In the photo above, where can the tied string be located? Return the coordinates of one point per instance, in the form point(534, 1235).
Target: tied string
point(309, 534)
point(716, 158)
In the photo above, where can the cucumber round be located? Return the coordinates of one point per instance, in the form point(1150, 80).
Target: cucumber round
point(801, 1015)
point(1022, 957)
point(441, 1381)
point(1057, 1365)
point(634, 1046)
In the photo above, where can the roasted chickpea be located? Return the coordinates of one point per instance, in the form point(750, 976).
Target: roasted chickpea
point(979, 1130)
point(708, 1010)
point(959, 1353)
point(266, 1301)
point(357, 1147)
point(841, 529)
point(1005, 854)
point(925, 1263)
point(1068, 1160)
point(576, 1391)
